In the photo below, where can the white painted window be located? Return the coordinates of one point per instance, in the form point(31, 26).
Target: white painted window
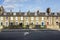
point(6, 18)
point(21, 18)
point(32, 18)
point(26, 13)
point(11, 18)
point(16, 18)
point(26, 18)
point(37, 18)
point(1, 18)
point(4, 13)
point(42, 18)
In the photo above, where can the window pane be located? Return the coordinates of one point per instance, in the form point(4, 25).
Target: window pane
point(37, 18)
point(11, 18)
point(32, 18)
point(42, 18)
point(1, 18)
point(21, 18)
point(16, 18)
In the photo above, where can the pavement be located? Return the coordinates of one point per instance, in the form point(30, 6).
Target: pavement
point(26, 30)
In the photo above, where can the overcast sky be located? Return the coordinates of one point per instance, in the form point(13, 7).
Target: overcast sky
point(32, 5)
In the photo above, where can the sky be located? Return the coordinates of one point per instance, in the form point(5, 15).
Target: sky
point(32, 5)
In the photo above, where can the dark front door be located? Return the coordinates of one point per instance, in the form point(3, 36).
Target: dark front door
point(21, 25)
point(42, 23)
point(1, 23)
point(11, 24)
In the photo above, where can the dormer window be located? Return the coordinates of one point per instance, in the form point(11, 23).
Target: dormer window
point(35, 13)
point(25, 13)
point(53, 13)
point(14, 14)
point(4, 13)
point(58, 13)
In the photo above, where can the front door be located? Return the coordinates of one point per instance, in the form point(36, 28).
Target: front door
point(42, 23)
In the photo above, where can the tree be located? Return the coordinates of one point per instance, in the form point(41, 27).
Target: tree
point(21, 25)
point(48, 10)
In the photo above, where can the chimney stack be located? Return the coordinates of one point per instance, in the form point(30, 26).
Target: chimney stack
point(28, 12)
point(37, 11)
point(19, 12)
point(10, 12)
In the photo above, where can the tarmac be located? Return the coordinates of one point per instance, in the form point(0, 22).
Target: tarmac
point(29, 34)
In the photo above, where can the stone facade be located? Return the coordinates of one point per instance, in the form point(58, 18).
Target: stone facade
point(50, 19)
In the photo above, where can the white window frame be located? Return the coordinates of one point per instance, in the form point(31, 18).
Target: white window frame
point(42, 18)
point(32, 18)
point(1, 18)
point(21, 18)
point(26, 18)
point(37, 18)
point(11, 18)
point(16, 18)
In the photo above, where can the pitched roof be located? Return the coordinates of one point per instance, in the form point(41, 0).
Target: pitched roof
point(29, 14)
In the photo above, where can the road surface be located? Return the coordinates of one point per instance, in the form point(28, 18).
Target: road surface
point(31, 35)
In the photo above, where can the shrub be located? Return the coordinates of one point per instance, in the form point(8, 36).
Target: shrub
point(43, 27)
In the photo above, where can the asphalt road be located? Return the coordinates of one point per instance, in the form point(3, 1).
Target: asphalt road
point(31, 35)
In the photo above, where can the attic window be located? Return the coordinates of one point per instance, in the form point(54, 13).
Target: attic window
point(26, 13)
point(35, 13)
point(53, 13)
point(4, 13)
point(14, 14)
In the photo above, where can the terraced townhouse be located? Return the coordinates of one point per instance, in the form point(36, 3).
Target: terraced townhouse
point(48, 18)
